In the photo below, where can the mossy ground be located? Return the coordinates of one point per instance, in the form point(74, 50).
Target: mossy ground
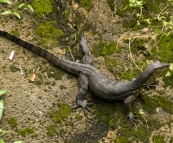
point(58, 117)
point(13, 123)
point(48, 34)
point(41, 7)
point(26, 131)
point(150, 104)
point(158, 139)
point(55, 73)
point(121, 140)
point(165, 48)
point(86, 4)
point(15, 32)
point(61, 113)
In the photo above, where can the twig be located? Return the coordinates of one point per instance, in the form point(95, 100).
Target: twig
point(132, 56)
point(71, 53)
point(158, 17)
point(121, 38)
point(14, 1)
point(21, 71)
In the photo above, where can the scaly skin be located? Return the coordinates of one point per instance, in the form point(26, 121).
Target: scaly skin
point(89, 76)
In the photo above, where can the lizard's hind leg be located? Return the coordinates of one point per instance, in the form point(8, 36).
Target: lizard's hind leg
point(82, 93)
point(87, 59)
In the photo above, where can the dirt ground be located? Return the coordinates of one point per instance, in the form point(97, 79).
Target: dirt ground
point(31, 104)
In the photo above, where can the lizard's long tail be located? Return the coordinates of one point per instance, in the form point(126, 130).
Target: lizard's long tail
point(69, 66)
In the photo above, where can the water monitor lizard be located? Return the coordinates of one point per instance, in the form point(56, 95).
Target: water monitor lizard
point(89, 76)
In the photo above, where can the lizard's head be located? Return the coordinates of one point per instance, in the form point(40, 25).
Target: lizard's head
point(151, 72)
point(158, 66)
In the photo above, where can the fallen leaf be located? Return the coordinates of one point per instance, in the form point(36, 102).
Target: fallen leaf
point(32, 77)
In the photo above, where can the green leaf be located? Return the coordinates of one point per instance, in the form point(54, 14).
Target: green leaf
point(141, 112)
point(3, 132)
point(1, 107)
point(3, 92)
point(21, 5)
point(7, 12)
point(16, 14)
point(171, 66)
point(165, 23)
point(1, 141)
point(18, 142)
point(30, 7)
point(148, 21)
point(5, 1)
point(168, 74)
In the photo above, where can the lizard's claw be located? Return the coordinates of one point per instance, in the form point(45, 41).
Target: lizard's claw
point(132, 117)
point(84, 104)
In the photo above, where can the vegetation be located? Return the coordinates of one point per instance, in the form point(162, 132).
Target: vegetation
point(42, 7)
point(2, 132)
point(20, 7)
point(48, 34)
point(86, 4)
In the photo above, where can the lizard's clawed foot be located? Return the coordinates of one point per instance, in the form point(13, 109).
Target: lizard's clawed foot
point(132, 117)
point(84, 104)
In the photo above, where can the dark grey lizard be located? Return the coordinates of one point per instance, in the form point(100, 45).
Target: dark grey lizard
point(89, 76)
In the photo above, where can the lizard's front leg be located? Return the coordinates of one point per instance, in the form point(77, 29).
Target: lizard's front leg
point(83, 81)
point(127, 107)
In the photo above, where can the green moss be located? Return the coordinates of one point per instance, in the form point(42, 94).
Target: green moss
point(112, 122)
point(15, 33)
point(48, 34)
point(51, 130)
point(111, 4)
point(62, 113)
point(77, 19)
point(41, 7)
point(154, 123)
point(104, 118)
point(130, 74)
point(110, 63)
point(118, 49)
point(69, 123)
point(151, 104)
point(171, 140)
point(13, 68)
point(26, 131)
point(106, 112)
point(121, 140)
point(86, 4)
point(66, 14)
point(138, 134)
point(38, 82)
point(54, 72)
point(109, 49)
point(62, 87)
point(158, 139)
point(165, 48)
point(138, 44)
point(103, 49)
point(78, 117)
point(53, 83)
point(13, 122)
point(168, 80)
point(98, 48)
